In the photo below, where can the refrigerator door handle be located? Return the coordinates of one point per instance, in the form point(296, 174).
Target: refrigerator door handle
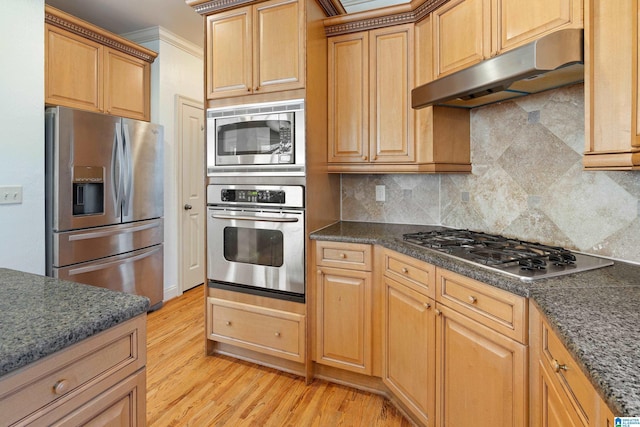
point(128, 171)
point(96, 266)
point(116, 167)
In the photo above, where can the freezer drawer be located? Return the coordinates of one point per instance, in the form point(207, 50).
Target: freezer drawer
point(139, 272)
point(72, 247)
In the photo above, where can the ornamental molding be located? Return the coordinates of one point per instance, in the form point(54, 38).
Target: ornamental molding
point(217, 5)
point(97, 37)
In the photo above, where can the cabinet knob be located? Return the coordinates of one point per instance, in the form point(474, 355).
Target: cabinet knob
point(343, 255)
point(228, 323)
point(559, 367)
point(438, 312)
point(364, 157)
point(277, 334)
point(427, 305)
point(257, 88)
point(248, 89)
point(405, 270)
point(188, 207)
point(472, 299)
point(61, 387)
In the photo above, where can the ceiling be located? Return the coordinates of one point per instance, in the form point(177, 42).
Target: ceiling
point(125, 16)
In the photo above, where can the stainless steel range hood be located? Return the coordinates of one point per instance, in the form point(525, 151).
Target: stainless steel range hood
point(552, 61)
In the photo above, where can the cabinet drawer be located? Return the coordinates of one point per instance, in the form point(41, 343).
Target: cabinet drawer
point(353, 256)
point(269, 331)
point(418, 275)
point(103, 359)
point(500, 310)
point(561, 366)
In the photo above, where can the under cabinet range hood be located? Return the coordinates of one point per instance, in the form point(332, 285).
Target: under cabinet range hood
point(552, 61)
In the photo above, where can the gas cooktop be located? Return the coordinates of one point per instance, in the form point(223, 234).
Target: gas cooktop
point(524, 260)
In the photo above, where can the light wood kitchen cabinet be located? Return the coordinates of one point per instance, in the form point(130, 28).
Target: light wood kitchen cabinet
point(85, 70)
point(370, 117)
point(256, 49)
point(469, 31)
point(266, 330)
point(561, 395)
point(98, 381)
point(344, 306)
point(612, 89)
point(481, 354)
point(408, 367)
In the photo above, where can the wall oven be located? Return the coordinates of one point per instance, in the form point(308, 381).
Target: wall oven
point(265, 138)
point(256, 239)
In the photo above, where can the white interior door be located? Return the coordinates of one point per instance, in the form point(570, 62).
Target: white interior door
point(192, 235)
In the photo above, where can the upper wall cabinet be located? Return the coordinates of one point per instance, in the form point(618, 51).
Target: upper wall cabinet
point(466, 32)
point(256, 49)
point(371, 125)
point(612, 90)
point(91, 69)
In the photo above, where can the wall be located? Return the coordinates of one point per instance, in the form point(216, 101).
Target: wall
point(22, 241)
point(527, 182)
point(178, 70)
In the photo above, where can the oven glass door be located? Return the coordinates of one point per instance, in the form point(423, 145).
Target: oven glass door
point(255, 140)
point(256, 248)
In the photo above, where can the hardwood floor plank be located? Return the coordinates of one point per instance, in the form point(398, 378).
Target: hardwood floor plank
point(185, 387)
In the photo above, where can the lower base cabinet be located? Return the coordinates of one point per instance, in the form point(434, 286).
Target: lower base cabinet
point(409, 349)
point(481, 375)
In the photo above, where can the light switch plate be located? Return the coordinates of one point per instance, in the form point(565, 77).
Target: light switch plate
point(10, 194)
point(380, 196)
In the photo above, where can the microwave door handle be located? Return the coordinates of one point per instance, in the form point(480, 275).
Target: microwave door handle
point(254, 218)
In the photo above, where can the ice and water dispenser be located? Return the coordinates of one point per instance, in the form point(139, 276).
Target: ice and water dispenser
point(88, 190)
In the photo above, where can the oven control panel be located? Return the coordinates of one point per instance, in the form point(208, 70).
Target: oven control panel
point(253, 196)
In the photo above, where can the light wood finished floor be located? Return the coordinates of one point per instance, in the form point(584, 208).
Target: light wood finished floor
point(187, 388)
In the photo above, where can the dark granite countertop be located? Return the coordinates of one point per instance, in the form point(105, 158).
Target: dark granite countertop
point(595, 313)
point(41, 315)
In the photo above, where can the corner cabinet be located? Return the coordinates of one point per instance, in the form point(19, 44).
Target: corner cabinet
point(612, 87)
point(561, 395)
point(409, 337)
point(343, 291)
point(256, 49)
point(88, 68)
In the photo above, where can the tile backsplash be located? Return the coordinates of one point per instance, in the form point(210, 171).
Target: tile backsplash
point(527, 182)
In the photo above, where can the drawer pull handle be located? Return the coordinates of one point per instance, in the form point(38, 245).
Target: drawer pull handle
point(559, 367)
point(61, 387)
point(277, 334)
point(405, 270)
point(343, 255)
point(427, 305)
point(472, 299)
point(228, 323)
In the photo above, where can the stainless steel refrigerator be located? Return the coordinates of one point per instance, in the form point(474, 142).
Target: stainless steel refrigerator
point(104, 201)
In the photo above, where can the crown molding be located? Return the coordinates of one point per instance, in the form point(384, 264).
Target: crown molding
point(162, 34)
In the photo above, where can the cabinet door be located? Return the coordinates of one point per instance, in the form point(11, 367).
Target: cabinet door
point(481, 375)
point(229, 57)
point(462, 35)
point(409, 348)
point(73, 70)
point(391, 80)
point(550, 409)
point(348, 119)
point(522, 21)
point(127, 83)
point(279, 53)
point(344, 308)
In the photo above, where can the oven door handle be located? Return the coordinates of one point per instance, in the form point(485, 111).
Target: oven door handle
point(254, 218)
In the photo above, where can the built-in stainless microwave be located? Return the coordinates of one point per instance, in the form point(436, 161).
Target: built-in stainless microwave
point(265, 138)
